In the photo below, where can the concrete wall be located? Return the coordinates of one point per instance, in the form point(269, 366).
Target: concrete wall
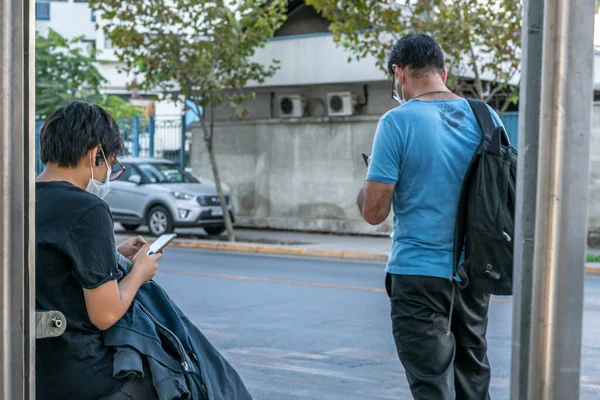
point(302, 174)
point(310, 60)
point(378, 93)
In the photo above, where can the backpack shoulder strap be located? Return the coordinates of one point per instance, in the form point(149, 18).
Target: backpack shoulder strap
point(484, 118)
point(460, 225)
point(486, 123)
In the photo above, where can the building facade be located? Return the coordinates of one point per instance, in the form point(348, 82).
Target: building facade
point(294, 162)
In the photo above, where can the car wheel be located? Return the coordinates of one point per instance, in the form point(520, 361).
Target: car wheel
point(160, 221)
point(130, 227)
point(214, 230)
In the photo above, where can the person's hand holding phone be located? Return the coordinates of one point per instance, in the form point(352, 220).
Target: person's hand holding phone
point(130, 248)
point(145, 266)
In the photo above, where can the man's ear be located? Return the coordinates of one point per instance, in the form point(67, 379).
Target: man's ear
point(400, 78)
point(444, 75)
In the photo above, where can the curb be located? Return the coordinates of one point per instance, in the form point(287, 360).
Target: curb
point(266, 249)
point(590, 269)
point(593, 271)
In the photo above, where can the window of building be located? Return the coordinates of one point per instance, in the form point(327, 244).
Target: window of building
point(93, 17)
point(91, 45)
point(42, 11)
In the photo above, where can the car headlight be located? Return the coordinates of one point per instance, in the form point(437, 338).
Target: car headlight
point(183, 196)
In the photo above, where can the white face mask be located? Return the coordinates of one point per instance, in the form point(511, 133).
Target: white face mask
point(100, 189)
point(399, 99)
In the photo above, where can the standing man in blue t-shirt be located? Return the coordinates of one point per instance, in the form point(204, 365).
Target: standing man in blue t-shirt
point(420, 156)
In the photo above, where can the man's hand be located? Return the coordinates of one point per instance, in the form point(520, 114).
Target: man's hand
point(131, 247)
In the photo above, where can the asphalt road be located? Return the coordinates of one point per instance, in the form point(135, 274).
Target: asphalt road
point(300, 328)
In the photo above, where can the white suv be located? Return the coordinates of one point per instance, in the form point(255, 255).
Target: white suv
point(158, 193)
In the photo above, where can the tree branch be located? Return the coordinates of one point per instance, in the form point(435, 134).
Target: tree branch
point(493, 93)
point(477, 84)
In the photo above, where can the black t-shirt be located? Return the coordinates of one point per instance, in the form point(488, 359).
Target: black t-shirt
point(75, 249)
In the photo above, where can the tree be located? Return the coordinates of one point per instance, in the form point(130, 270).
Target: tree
point(480, 38)
point(118, 108)
point(66, 70)
point(195, 51)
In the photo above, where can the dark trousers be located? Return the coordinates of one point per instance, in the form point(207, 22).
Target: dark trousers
point(440, 364)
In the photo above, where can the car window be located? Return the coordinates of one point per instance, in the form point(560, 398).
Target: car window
point(127, 174)
point(165, 173)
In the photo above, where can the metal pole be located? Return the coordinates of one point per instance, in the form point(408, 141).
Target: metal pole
point(135, 127)
point(182, 148)
point(529, 127)
point(17, 200)
point(562, 191)
point(151, 126)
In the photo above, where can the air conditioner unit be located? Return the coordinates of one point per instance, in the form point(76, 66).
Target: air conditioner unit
point(292, 106)
point(343, 103)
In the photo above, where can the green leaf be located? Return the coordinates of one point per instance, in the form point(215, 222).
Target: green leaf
point(489, 27)
point(195, 49)
point(65, 70)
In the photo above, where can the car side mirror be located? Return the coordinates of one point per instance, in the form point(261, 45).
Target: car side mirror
point(135, 179)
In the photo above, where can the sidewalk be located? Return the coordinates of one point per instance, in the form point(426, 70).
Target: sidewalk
point(365, 248)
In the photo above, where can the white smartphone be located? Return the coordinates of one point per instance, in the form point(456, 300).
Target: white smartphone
point(161, 243)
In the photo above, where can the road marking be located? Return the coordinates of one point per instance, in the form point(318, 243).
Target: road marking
point(276, 353)
point(271, 280)
point(390, 392)
point(362, 354)
point(307, 370)
point(498, 300)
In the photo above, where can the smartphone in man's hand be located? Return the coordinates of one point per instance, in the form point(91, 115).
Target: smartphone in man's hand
point(366, 158)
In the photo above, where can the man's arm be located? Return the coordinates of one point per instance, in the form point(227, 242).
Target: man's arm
point(375, 198)
point(375, 201)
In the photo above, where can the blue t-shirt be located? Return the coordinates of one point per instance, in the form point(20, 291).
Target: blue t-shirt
point(424, 148)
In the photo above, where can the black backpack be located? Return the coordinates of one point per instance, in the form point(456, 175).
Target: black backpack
point(486, 210)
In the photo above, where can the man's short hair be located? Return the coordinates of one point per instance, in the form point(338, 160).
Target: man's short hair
point(417, 51)
point(73, 130)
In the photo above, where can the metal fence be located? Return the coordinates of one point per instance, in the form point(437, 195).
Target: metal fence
point(162, 137)
point(511, 123)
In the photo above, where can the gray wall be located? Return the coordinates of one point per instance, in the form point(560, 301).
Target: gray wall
point(379, 100)
point(301, 175)
point(304, 174)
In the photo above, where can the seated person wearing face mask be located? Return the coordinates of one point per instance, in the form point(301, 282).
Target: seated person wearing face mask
point(125, 338)
point(76, 266)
